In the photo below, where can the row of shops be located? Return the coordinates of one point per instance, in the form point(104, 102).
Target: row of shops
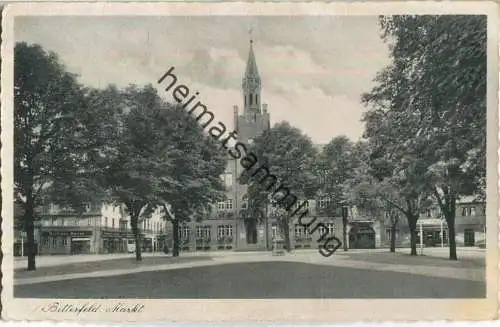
point(90, 241)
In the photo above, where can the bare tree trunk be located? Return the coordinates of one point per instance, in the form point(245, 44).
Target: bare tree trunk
point(448, 207)
point(451, 237)
point(137, 235)
point(393, 237)
point(344, 233)
point(412, 223)
point(286, 233)
point(29, 226)
point(175, 236)
point(450, 221)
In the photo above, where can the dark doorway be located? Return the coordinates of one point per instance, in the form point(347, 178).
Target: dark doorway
point(80, 246)
point(469, 239)
point(362, 236)
point(251, 228)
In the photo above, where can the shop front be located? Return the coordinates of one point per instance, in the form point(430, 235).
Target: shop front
point(362, 235)
point(115, 241)
point(66, 242)
point(434, 232)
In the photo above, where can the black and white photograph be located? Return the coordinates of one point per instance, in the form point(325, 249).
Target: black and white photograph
point(248, 152)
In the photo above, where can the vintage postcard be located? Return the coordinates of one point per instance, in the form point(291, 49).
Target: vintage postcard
point(250, 162)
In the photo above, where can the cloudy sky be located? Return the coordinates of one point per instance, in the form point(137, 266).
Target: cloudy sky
point(313, 68)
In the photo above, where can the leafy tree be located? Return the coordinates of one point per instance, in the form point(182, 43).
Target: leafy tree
point(288, 155)
point(139, 167)
point(55, 131)
point(435, 88)
point(399, 174)
point(336, 165)
point(197, 162)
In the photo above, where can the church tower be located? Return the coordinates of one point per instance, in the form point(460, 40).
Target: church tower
point(255, 118)
point(251, 87)
point(253, 122)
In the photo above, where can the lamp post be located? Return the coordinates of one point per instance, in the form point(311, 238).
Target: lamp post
point(344, 225)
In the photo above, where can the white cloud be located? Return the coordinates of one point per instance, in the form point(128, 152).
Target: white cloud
point(313, 69)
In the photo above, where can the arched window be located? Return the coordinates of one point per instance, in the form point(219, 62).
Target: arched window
point(256, 99)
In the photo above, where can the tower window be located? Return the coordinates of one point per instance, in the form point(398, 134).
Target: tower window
point(251, 99)
point(256, 99)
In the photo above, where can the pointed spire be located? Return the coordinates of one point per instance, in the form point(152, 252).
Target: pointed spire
point(251, 70)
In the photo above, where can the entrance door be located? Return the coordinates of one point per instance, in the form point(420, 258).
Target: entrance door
point(362, 238)
point(251, 229)
point(469, 237)
point(79, 246)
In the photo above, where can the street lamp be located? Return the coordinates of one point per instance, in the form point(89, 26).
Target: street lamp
point(344, 225)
